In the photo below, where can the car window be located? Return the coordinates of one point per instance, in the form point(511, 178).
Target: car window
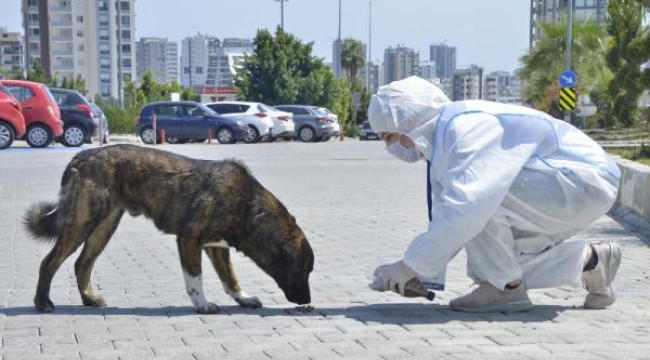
point(191, 111)
point(301, 111)
point(48, 92)
point(366, 125)
point(320, 111)
point(166, 110)
point(59, 98)
point(5, 90)
point(265, 108)
point(21, 93)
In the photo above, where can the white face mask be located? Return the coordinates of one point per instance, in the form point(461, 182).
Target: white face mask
point(403, 153)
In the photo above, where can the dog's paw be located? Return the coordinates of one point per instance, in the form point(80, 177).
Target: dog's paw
point(44, 305)
point(207, 308)
point(93, 300)
point(245, 300)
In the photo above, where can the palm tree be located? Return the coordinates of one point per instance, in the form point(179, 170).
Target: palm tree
point(545, 62)
point(353, 56)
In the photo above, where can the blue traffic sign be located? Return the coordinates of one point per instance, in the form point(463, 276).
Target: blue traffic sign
point(568, 78)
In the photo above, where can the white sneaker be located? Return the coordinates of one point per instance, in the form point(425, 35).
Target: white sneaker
point(487, 298)
point(599, 280)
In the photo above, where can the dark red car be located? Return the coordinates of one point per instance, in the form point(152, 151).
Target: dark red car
point(42, 115)
point(12, 122)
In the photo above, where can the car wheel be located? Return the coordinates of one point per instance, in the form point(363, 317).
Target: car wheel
point(146, 134)
point(225, 136)
point(73, 136)
point(39, 136)
point(6, 135)
point(306, 134)
point(173, 140)
point(252, 135)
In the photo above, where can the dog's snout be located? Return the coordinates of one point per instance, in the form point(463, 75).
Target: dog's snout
point(299, 294)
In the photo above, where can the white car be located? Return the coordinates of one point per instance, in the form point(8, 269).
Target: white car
point(283, 125)
point(260, 128)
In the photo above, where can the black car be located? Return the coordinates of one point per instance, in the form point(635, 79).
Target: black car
point(187, 120)
point(77, 116)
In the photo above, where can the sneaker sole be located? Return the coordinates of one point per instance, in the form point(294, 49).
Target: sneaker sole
point(514, 306)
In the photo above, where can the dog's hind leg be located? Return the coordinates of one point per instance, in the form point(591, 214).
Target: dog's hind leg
point(220, 258)
point(189, 251)
point(63, 248)
point(93, 247)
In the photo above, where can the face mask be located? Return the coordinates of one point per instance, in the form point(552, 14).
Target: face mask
point(403, 153)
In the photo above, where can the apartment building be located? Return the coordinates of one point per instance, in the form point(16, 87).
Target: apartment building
point(502, 86)
point(94, 39)
point(468, 83)
point(444, 56)
point(208, 61)
point(555, 10)
point(399, 63)
point(11, 51)
point(158, 55)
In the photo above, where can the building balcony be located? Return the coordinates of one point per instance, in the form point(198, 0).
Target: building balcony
point(62, 38)
point(61, 23)
point(66, 52)
point(59, 8)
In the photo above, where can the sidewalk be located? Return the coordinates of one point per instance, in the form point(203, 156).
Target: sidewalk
point(359, 208)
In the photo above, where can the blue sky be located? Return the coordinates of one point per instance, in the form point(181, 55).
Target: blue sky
point(490, 33)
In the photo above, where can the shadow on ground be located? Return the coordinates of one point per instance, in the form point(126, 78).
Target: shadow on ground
point(394, 313)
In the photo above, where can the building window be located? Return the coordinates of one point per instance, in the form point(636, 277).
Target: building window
point(80, 47)
point(36, 32)
point(126, 34)
point(80, 19)
point(126, 49)
point(126, 20)
point(102, 5)
point(80, 33)
point(103, 34)
point(126, 63)
point(125, 6)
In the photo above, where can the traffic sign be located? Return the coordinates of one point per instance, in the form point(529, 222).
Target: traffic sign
point(568, 79)
point(567, 98)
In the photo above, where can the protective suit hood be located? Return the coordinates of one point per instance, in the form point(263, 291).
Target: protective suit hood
point(405, 105)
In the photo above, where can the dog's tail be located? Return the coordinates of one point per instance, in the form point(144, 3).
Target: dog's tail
point(40, 221)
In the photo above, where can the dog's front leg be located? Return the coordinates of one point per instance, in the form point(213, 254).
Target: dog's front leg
point(189, 251)
point(220, 258)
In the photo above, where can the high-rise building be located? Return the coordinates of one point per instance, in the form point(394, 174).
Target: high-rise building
point(502, 86)
point(555, 10)
point(194, 59)
point(94, 39)
point(427, 71)
point(400, 62)
point(468, 83)
point(11, 51)
point(445, 58)
point(158, 55)
point(208, 61)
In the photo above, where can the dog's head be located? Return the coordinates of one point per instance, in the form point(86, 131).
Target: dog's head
point(278, 246)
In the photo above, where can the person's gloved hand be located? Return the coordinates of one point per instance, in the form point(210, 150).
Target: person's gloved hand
point(392, 277)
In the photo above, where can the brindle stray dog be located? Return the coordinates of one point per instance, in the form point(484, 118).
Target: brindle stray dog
point(209, 205)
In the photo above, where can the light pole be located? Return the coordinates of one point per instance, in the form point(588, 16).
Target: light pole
point(567, 55)
point(338, 45)
point(281, 12)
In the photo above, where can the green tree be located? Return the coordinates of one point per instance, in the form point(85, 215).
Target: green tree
point(79, 84)
point(353, 57)
point(282, 69)
point(37, 73)
point(627, 50)
point(545, 62)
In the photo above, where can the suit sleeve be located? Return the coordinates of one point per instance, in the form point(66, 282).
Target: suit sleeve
point(481, 162)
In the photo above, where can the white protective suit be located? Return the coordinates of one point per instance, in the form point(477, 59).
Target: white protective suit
point(508, 183)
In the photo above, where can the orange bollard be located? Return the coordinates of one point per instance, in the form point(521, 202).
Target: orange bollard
point(162, 136)
point(209, 137)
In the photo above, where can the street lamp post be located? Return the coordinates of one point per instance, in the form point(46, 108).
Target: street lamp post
point(281, 12)
point(338, 45)
point(567, 56)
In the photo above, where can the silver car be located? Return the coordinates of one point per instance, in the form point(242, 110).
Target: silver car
point(366, 132)
point(312, 123)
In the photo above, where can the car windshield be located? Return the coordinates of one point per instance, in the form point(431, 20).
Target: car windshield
point(5, 90)
point(209, 111)
point(49, 93)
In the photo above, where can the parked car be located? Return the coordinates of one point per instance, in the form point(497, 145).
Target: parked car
point(335, 121)
point(187, 120)
point(100, 118)
point(42, 115)
point(12, 121)
point(79, 119)
point(260, 126)
point(313, 124)
point(366, 132)
point(283, 125)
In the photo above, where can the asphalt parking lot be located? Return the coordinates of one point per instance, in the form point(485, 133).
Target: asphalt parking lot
point(359, 208)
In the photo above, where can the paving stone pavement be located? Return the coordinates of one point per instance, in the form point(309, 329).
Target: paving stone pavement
point(359, 208)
